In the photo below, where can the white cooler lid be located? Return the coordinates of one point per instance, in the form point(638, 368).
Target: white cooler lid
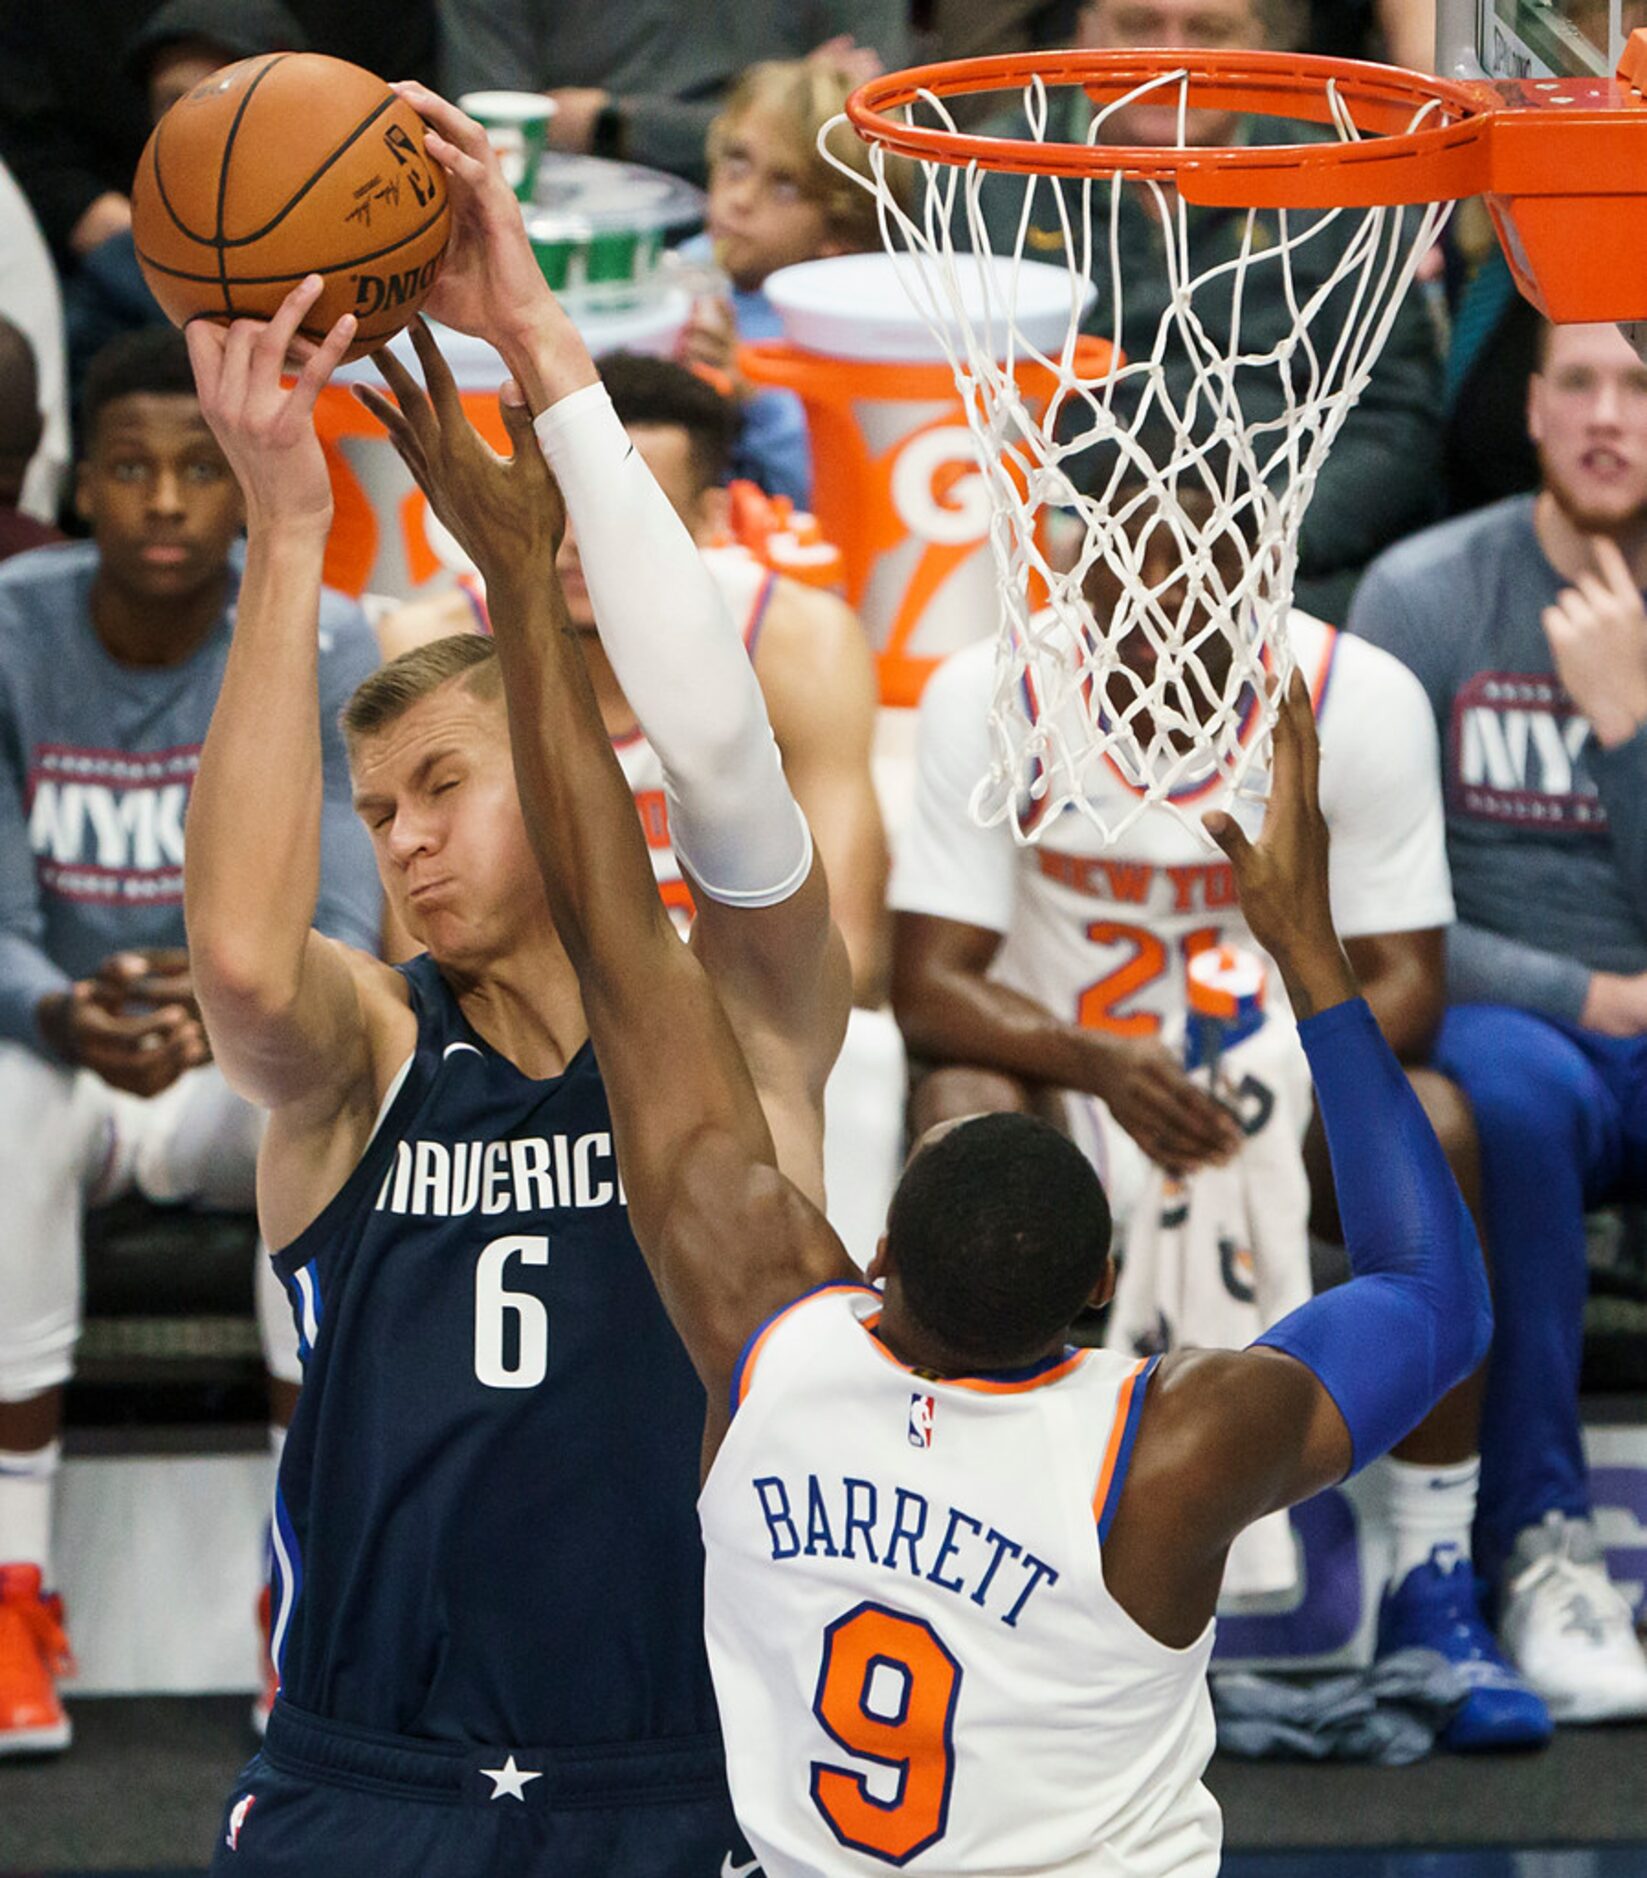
point(859, 306)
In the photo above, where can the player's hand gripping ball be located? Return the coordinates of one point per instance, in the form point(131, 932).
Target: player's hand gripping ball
point(286, 165)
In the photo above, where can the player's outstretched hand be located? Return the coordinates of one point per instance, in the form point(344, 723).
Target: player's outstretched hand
point(1282, 877)
point(266, 427)
point(490, 284)
point(506, 511)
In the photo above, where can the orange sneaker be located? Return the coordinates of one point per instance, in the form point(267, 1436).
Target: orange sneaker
point(34, 1652)
point(271, 1679)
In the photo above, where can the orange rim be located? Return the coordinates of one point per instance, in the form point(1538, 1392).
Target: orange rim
point(1561, 161)
point(1392, 164)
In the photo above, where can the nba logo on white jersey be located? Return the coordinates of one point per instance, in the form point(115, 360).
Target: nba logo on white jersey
point(920, 1421)
point(237, 1819)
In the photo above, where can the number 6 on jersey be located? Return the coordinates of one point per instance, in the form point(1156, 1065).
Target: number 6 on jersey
point(887, 1690)
point(496, 1306)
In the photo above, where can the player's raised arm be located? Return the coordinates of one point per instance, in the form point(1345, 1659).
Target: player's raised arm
point(734, 821)
point(280, 1001)
point(1233, 1435)
point(728, 1238)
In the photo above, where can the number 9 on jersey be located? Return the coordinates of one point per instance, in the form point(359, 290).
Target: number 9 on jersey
point(887, 1690)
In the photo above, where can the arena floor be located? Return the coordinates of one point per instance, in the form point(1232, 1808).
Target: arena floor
point(143, 1789)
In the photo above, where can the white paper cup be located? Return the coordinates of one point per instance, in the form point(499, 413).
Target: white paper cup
point(517, 127)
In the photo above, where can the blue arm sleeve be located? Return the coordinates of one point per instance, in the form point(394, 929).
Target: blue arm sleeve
point(1415, 1318)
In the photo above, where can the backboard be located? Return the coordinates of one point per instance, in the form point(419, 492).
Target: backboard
point(1536, 38)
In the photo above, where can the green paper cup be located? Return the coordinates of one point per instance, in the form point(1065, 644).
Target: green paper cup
point(517, 126)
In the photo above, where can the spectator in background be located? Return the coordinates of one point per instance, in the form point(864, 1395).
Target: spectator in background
point(645, 81)
point(111, 656)
point(74, 118)
point(181, 43)
point(1053, 979)
point(30, 299)
point(20, 427)
point(1382, 477)
point(774, 200)
point(1525, 625)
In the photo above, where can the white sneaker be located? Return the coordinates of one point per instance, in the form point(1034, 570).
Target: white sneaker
point(1567, 1627)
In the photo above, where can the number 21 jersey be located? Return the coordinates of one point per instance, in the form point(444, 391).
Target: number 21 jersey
point(1101, 933)
point(917, 1661)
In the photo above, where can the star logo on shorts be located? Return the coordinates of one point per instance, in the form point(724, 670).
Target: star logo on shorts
point(509, 1780)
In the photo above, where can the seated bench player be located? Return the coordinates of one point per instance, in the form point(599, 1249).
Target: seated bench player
point(1042, 979)
point(961, 1577)
point(1526, 626)
point(111, 654)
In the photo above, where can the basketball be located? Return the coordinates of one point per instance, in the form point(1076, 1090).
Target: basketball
point(282, 166)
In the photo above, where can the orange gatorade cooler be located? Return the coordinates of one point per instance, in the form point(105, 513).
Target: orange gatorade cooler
point(896, 483)
point(384, 537)
point(597, 230)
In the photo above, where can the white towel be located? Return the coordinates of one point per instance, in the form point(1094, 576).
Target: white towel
point(1214, 1259)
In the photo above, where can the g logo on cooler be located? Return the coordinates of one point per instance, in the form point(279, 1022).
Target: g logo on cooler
point(964, 516)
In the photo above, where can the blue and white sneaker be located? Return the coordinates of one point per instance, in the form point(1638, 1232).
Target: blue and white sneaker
point(1435, 1608)
point(1568, 1628)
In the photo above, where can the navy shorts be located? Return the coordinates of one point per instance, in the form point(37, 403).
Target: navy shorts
point(324, 1800)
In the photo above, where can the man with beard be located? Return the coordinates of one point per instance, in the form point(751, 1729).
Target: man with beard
point(1525, 624)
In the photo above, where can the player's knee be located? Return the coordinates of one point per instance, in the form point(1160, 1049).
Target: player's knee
point(957, 1090)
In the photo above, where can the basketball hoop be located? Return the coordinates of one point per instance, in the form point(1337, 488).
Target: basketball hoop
point(1164, 681)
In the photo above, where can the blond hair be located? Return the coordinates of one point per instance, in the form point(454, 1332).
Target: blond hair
point(391, 691)
point(801, 96)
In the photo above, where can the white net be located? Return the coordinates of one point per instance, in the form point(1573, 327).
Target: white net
point(1146, 520)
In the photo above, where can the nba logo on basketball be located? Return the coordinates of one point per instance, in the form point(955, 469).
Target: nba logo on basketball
point(237, 1819)
point(920, 1421)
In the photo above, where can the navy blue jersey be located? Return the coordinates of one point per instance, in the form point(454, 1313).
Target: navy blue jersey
point(485, 1527)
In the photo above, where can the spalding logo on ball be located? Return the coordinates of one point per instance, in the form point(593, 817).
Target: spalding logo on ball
point(282, 166)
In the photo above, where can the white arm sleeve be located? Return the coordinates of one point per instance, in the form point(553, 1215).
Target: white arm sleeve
point(736, 827)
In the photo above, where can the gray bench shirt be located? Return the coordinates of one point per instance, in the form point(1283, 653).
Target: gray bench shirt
point(96, 762)
point(1546, 831)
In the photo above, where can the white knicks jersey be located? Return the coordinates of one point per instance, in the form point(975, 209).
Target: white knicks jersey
point(915, 1656)
point(1102, 935)
point(746, 585)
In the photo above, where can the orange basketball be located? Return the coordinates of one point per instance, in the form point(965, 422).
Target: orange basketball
point(282, 166)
